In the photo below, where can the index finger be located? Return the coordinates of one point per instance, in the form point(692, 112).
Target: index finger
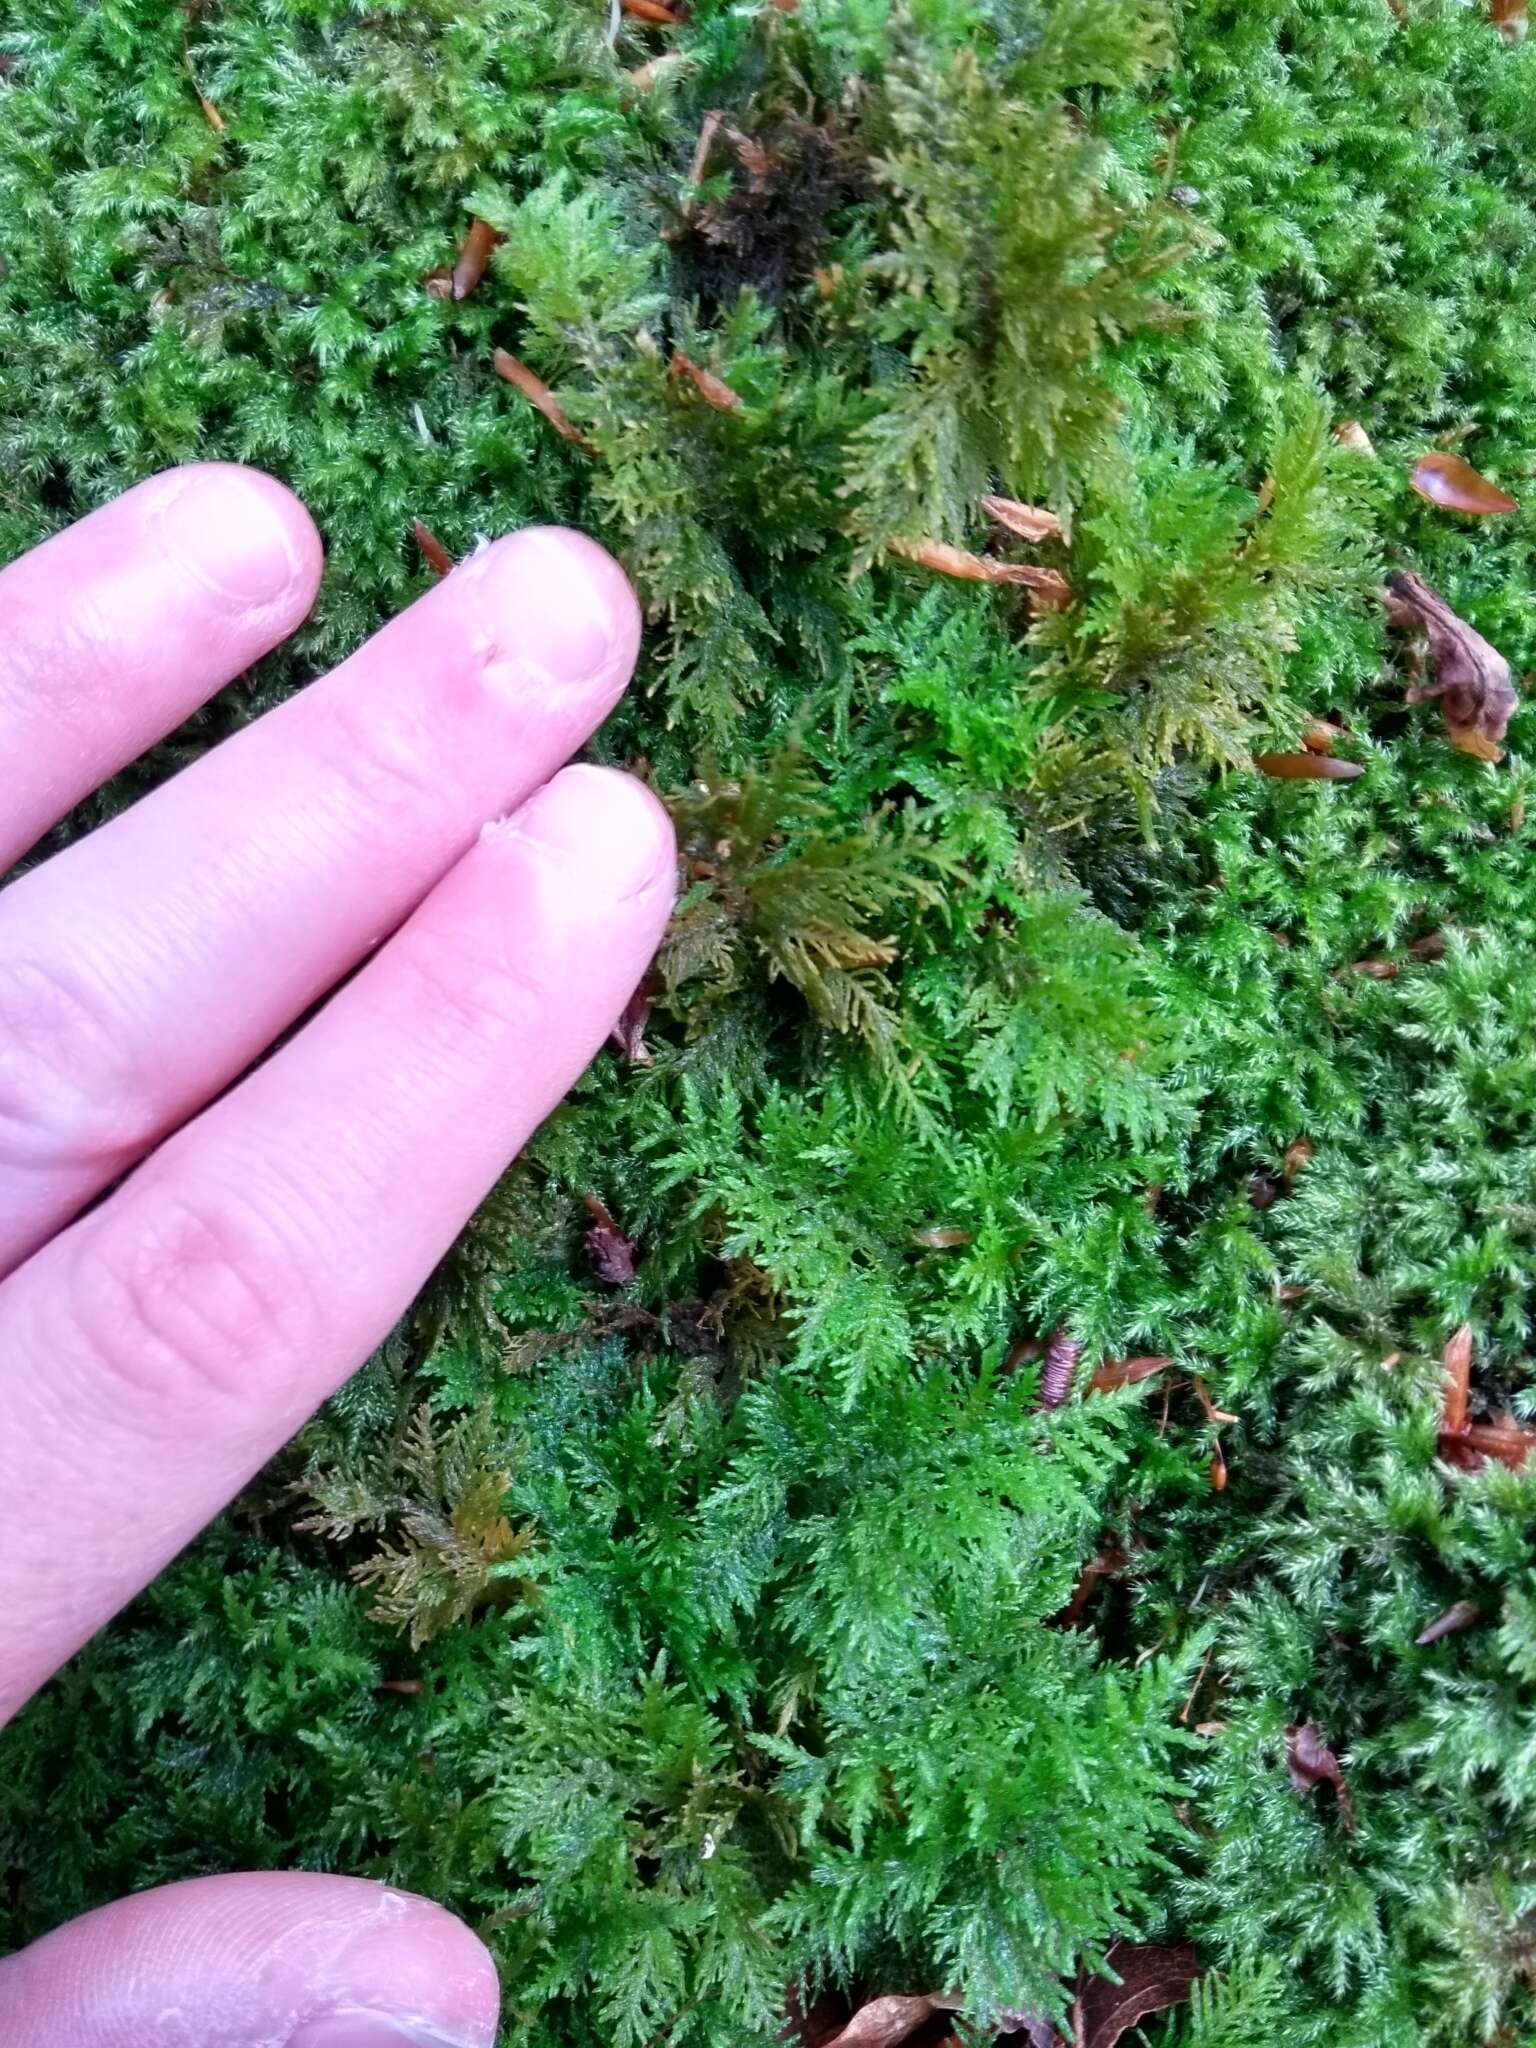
point(153, 1356)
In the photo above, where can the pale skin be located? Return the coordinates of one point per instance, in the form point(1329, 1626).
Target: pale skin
point(258, 1237)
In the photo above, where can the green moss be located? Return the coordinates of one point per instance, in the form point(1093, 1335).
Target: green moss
point(999, 975)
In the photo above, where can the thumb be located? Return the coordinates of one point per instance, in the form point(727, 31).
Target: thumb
point(283, 1960)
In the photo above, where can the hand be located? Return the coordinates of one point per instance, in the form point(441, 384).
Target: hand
point(156, 1349)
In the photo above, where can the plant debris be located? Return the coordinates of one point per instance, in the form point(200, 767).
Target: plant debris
point(1126, 1372)
point(1108, 1563)
point(941, 1238)
point(1454, 485)
point(628, 1034)
point(611, 1252)
point(1350, 434)
point(1312, 767)
point(712, 389)
point(433, 553)
point(458, 279)
point(1027, 522)
point(1510, 18)
point(1049, 585)
point(1312, 1763)
point(1297, 1155)
point(1464, 1614)
point(539, 395)
point(653, 12)
point(1151, 1980)
point(1457, 1361)
point(1472, 680)
point(883, 2022)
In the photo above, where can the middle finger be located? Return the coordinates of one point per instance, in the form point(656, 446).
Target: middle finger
point(145, 967)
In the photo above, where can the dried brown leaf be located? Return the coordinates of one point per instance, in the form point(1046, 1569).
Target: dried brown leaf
point(1509, 1442)
point(611, 1252)
point(1374, 970)
point(1312, 1763)
point(539, 395)
point(1456, 1358)
point(433, 553)
point(1464, 1614)
point(474, 254)
point(629, 1033)
point(885, 2021)
point(1350, 434)
point(1307, 767)
point(1048, 585)
point(1151, 1980)
point(1125, 1372)
point(1297, 1155)
point(1029, 522)
point(1453, 484)
point(712, 389)
point(1472, 680)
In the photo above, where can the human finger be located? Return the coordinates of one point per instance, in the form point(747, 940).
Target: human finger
point(144, 968)
point(276, 1960)
point(118, 627)
point(153, 1356)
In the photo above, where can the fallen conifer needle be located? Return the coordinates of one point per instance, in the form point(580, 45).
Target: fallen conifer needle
point(539, 395)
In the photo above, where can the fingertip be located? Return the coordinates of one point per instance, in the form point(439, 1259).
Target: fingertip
point(239, 533)
point(608, 833)
point(558, 609)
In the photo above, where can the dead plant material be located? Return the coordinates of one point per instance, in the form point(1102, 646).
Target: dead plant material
point(474, 254)
point(884, 2022)
point(1456, 1358)
point(1350, 434)
point(1049, 586)
point(713, 390)
point(433, 553)
point(611, 1252)
point(1027, 522)
point(651, 11)
point(1454, 485)
point(539, 395)
point(1312, 1763)
point(1472, 680)
point(1510, 18)
point(1298, 1154)
point(1307, 767)
point(1456, 1619)
point(1151, 1980)
point(1126, 1372)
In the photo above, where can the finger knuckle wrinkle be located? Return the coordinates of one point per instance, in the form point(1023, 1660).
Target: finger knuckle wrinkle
point(69, 1089)
point(194, 1297)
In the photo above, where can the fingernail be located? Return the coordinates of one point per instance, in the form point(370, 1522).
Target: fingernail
point(234, 531)
point(598, 821)
point(369, 2030)
point(558, 609)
